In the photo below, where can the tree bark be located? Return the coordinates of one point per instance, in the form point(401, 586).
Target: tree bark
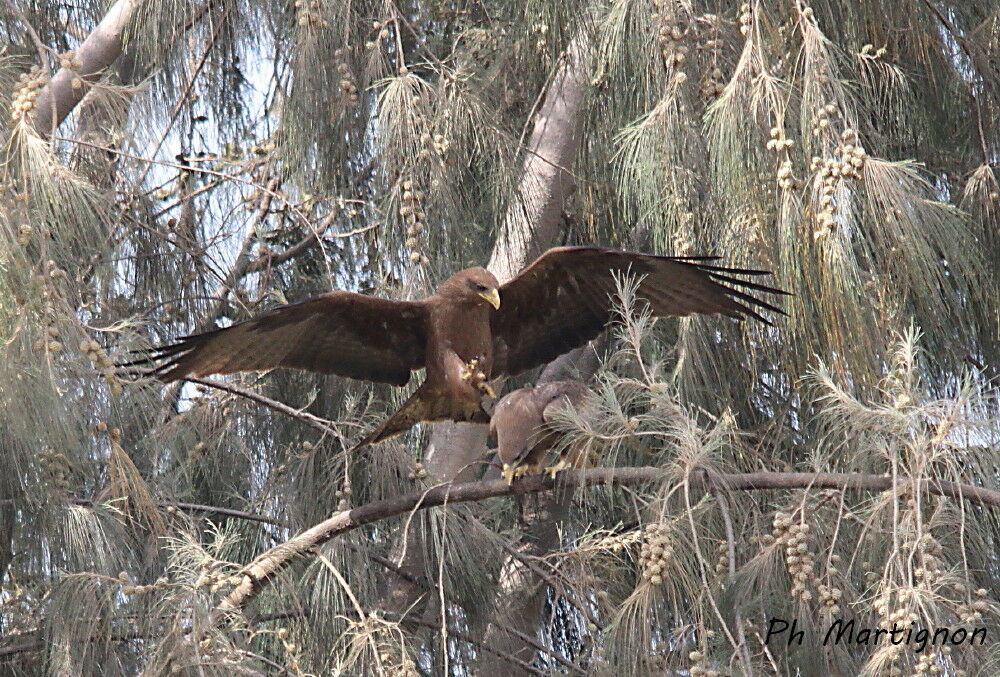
point(58, 98)
point(533, 218)
point(521, 583)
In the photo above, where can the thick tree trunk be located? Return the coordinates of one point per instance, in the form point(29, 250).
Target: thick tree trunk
point(530, 225)
point(519, 583)
point(534, 215)
point(457, 450)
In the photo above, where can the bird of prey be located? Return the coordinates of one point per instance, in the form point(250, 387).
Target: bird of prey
point(520, 424)
point(471, 330)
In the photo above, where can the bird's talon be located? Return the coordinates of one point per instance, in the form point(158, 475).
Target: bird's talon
point(487, 390)
point(470, 371)
point(508, 473)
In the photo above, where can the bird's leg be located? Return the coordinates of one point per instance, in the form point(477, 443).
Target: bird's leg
point(553, 470)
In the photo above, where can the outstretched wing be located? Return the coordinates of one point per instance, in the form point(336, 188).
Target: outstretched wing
point(342, 333)
point(565, 298)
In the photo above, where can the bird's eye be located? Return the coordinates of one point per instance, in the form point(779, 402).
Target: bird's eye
point(481, 287)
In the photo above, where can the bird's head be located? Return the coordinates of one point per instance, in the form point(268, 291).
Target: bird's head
point(476, 285)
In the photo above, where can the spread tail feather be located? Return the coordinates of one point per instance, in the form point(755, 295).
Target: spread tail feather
point(418, 407)
point(412, 412)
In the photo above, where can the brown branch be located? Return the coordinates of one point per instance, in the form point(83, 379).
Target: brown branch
point(252, 517)
point(227, 512)
point(260, 572)
point(27, 647)
point(304, 244)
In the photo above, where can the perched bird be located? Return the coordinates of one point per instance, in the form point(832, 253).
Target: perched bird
point(520, 424)
point(471, 330)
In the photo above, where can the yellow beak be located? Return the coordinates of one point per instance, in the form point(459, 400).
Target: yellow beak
point(492, 297)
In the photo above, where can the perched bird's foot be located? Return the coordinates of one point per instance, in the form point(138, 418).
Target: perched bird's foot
point(554, 470)
point(508, 473)
point(512, 472)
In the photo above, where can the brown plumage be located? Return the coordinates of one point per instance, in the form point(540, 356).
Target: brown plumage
point(469, 331)
point(521, 425)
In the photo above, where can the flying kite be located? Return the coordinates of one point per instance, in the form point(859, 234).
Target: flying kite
point(521, 424)
point(470, 331)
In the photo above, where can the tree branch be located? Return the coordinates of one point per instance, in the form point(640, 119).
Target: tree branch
point(320, 424)
point(260, 572)
point(978, 60)
point(58, 98)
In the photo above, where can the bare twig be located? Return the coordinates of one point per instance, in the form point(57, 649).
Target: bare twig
point(44, 52)
point(974, 55)
point(304, 244)
point(321, 424)
point(182, 99)
point(186, 507)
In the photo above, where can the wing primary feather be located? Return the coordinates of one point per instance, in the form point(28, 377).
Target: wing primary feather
point(149, 358)
point(729, 291)
point(173, 353)
point(134, 363)
point(734, 271)
point(748, 311)
point(749, 285)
